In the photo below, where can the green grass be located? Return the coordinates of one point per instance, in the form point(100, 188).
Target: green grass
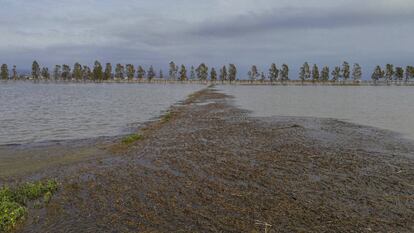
point(13, 202)
point(131, 138)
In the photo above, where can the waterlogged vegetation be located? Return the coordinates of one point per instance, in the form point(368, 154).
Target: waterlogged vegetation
point(167, 117)
point(228, 73)
point(14, 201)
point(131, 139)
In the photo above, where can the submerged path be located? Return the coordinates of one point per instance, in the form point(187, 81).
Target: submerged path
point(209, 167)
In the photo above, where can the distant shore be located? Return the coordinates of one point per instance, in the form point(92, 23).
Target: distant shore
point(207, 166)
point(237, 82)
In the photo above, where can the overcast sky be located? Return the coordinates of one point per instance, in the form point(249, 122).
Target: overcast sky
point(217, 32)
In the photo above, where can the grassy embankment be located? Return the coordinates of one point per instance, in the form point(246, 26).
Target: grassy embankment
point(14, 201)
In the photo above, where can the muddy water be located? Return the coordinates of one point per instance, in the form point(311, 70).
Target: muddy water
point(390, 108)
point(42, 112)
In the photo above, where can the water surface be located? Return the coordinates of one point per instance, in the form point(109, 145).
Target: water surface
point(386, 107)
point(43, 112)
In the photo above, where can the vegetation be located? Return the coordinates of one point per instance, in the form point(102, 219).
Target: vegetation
point(183, 73)
point(223, 74)
point(253, 73)
point(202, 72)
point(284, 73)
point(315, 73)
point(14, 201)
point(336, 73)
point(130, 71)
point(325, 74)
point(273, 73)
point(305, 73)
point(213, 75)
point(151, 73)
point(357, 72)
point(131, 139)
point(232, 75)
point(173, 71)
point(345, 71)
point(4, 73)
point(308, 72)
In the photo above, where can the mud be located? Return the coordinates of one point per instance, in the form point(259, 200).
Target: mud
point(209, 167)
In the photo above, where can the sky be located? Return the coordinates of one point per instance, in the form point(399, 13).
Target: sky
point(217, 32)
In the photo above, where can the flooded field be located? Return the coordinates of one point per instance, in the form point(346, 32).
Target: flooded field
point(390, 108)
point(43, 112)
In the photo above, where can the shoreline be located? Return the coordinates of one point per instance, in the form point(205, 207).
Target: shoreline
point(209, 166)
point(35, 157)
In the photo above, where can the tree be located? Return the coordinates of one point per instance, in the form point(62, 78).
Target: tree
point(284, 74)
point(223, 74)
point(65, 72)
point(119, 71)
point(304, 73)
point(192, 73)
point(345, 70)
point(45, 73)
point(57, 73)
point(161, 75)
point(86, 73)
point(108, 71)
point(389, 72)
point(35, 70)
point(151, 73)
point(77, 71)
point(253, 73)
point(14, 72)
point(399, 73)
point(213, 75)
point(173, 71)
point(183, 73)
point(140, 73)
point(4, 72)
point(377, 74)
point(202, 72)
point(273, 73)
point(315, 73)
point(336, 73)
point(356, 72)
point(97, 71)
point(325, 74)
point(232, 72)
point(409, 73)
point(130, 71)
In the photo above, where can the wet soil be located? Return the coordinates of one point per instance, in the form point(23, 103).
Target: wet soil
point(209, 167)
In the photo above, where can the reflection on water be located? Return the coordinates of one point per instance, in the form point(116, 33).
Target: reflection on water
point(42, 112)
point(389, 108)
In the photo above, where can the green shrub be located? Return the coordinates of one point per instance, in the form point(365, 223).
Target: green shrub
point(10, 214)
point(13, 201)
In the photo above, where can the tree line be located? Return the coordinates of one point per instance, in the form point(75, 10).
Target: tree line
point(226, 73)
point(121, 72)
point(338, 73)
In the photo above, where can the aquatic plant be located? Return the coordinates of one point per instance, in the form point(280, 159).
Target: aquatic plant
point(13, 201)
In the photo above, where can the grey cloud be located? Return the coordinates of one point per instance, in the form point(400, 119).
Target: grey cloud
point(302, 18)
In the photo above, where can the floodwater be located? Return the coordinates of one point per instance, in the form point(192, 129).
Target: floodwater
point(386, 107)
point(43, 112)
